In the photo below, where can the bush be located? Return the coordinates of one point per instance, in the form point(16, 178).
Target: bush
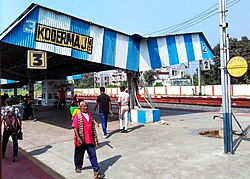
point(158, 84)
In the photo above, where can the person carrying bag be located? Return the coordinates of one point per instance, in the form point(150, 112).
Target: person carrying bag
point(12, 122)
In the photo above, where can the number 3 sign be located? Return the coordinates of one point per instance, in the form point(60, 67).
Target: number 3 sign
point(37, 59)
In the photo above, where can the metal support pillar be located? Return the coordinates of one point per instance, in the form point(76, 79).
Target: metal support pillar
point(229, 106)
point(15, 91)
point(130, 88)
point(225, 81)
point(31, 88)
point(145, 88)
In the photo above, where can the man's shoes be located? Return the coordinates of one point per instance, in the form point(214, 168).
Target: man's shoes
point(97, 175)
point(34, 119)
point(15, 159)
point(105, 136)
point(123, 130)
point(77, 170)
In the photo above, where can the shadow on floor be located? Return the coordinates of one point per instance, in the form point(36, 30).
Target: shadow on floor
point(40, 150)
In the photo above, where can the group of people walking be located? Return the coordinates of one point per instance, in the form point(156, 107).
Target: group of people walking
point(105, 109)
point(85, 135)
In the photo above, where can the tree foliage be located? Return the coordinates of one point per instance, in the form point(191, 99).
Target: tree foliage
point(158, 84)
point(87, 81)
point(241, 48)
point(149, 77)
point(236, 48)
point(124, 83)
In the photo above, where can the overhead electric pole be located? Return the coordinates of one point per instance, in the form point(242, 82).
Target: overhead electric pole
point(225, 81)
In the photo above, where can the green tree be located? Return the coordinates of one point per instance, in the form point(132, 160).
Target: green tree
point(124, 83)
point(236, 48)
point(187, 76)
point(195, 79)
point(158, 84)
point(149, 77)
point(240, 48)
point(87, 81)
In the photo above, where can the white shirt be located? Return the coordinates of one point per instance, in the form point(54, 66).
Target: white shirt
point(123, 98)
point(86, 116)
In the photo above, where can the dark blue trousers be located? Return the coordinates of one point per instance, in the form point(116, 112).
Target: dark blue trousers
point(79, 154)
point(104, 121)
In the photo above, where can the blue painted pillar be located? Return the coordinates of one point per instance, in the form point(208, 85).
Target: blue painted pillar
point(225, 81)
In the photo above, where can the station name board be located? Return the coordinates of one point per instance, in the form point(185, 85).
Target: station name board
point(63, 38)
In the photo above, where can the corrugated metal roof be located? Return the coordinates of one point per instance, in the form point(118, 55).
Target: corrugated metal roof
point(44, 29)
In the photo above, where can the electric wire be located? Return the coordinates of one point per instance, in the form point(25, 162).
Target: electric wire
point(213, 10)
point(200, 20)
point(183, 23)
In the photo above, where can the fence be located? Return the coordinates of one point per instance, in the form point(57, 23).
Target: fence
point(209, 90)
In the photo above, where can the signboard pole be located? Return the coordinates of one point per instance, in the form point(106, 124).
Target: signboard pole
point(199, 77)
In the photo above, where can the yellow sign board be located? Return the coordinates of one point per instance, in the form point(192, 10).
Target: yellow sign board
point(37, 59)
point(63, 38)
point(237, 66)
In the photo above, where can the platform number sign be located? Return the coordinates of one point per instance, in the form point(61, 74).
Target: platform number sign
point(205, 65)
point(37, 59)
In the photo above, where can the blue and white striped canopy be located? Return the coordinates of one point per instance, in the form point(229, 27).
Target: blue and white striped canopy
point(74, 77)
point(44, 29)
point(4, 81)
point(170, 50)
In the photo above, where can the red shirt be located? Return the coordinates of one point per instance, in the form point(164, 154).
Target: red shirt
point(62, 95)
point(87, 129)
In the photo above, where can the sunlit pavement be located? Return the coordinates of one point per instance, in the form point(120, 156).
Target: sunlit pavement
point(172, 149)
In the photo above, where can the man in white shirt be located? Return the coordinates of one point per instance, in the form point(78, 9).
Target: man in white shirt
point(123, 109)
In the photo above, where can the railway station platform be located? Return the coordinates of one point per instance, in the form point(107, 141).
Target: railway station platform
point(171, 148)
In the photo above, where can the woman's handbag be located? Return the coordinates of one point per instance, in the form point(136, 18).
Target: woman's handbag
point(20, 135)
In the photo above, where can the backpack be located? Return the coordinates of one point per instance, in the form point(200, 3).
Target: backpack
point(11, 122)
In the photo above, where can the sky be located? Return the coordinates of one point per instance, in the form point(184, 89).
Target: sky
point(145, 17)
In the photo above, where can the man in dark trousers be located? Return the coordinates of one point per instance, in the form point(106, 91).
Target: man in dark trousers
point(62, 97)
point(28, 111)
point(85, 139)
point(105, 108)
point(7, 131)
